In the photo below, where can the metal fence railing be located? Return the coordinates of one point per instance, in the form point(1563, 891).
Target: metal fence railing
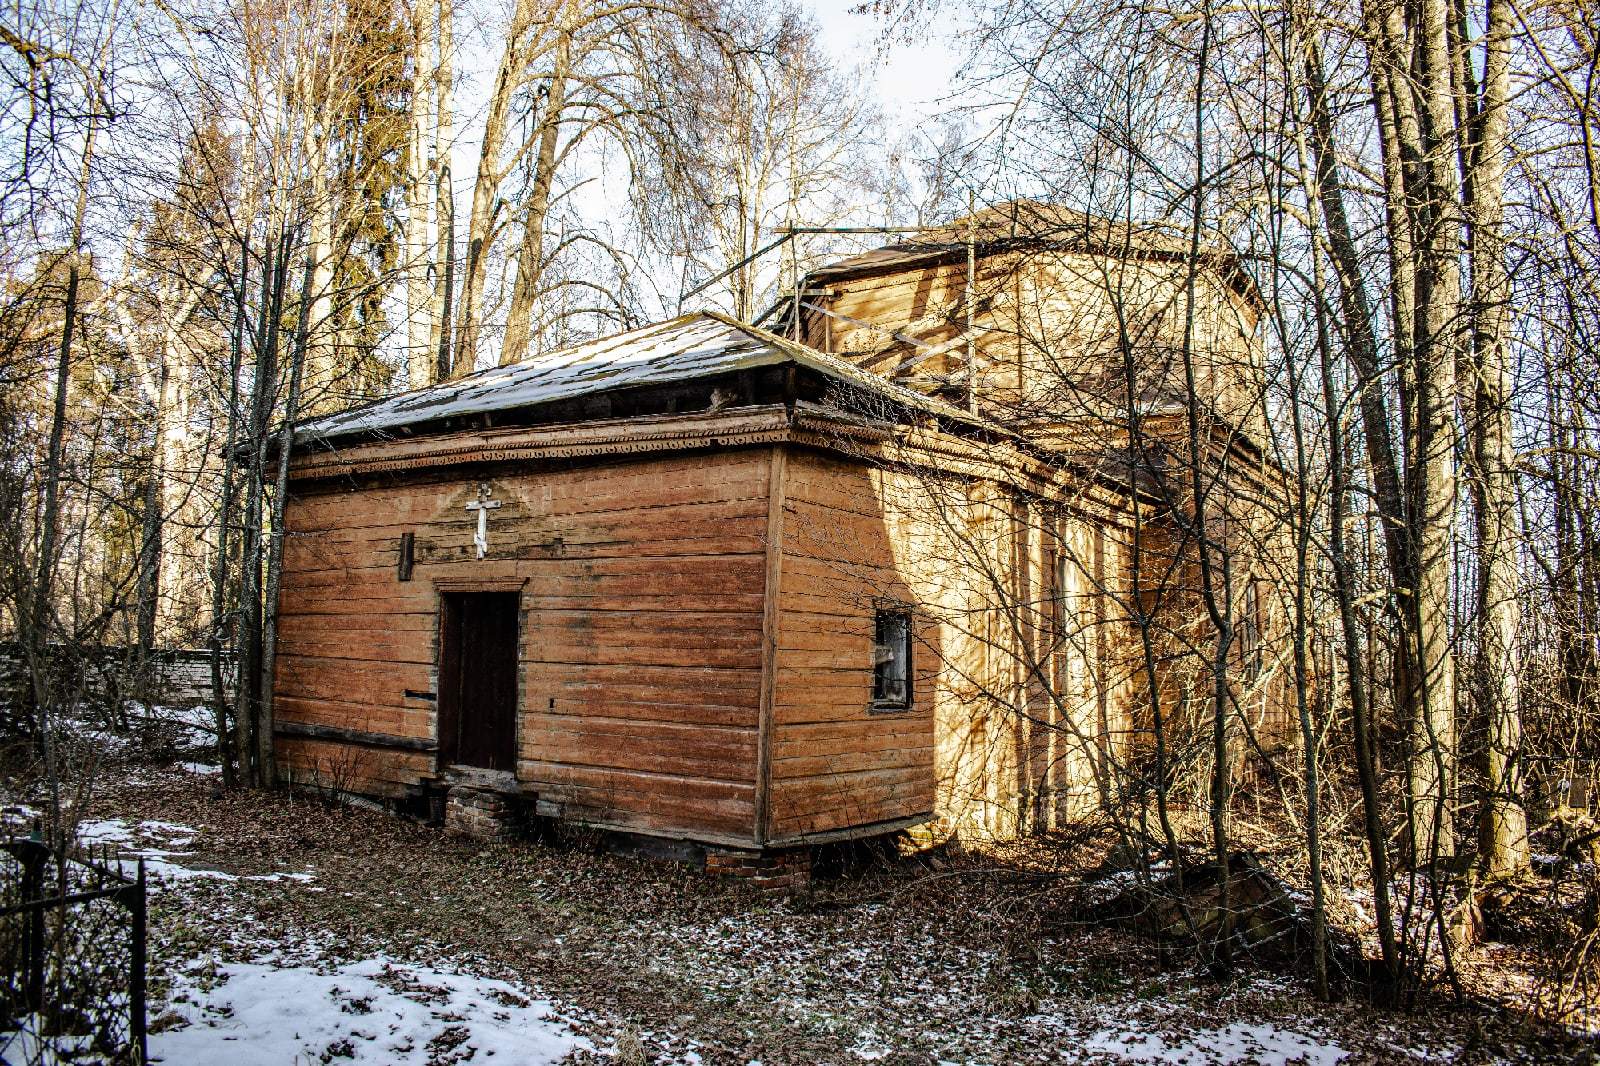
point(72, 955)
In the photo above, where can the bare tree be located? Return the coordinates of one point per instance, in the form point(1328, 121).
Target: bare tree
point(583, 79)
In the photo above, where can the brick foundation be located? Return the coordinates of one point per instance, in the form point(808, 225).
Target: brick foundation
point(768, 871)
point(482, 814)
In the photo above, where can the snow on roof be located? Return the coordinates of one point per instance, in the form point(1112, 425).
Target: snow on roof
point(690, 346)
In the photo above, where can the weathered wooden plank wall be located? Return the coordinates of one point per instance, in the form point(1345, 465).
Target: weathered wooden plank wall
point(988, 747)
point(837, 764)
point(641, 584)
point(1054, 328)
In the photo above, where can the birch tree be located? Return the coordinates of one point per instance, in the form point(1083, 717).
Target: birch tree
point(571, 77)
point(778, 141)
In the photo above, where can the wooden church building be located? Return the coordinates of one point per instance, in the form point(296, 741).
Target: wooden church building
point(916, 559)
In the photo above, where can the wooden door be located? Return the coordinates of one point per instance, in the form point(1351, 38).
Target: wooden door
point(478, 680)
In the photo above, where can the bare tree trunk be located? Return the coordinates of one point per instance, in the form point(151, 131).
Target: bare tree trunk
point(1302, 684)
point(280, 496)
point(444, 198)
point(1393, 106)
point(323, 354)
point(484, 221)
point(219, 586)
point(151, 524)
point(248, 717)
point(1356, 326)
point(1503, 827)
point(1303, 537)
point(1395, 111)
point(1216, 577)
point(1438, 306)
point(1571, 589)
point(1356, 675)
point(1325, 198)
point(530, 258)
point(1412, 82)
point(420, 239)
point(41, 614)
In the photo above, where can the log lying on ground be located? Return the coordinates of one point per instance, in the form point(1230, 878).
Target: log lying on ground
point(1569, 833)
point(1556, 902)
point(1265, 919)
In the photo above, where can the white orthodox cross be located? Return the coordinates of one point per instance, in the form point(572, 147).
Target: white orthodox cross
point(483, 505)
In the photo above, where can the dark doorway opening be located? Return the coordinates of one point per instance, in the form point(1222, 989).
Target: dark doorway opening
point(478, 679)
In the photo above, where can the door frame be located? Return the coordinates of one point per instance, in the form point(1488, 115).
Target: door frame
point(442, 587)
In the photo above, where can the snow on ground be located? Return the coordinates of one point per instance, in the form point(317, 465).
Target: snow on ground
point(198, 722)
point(276, 1010)
point(377, 960)
point(1265, 1045)
point(17, 816)
point(376, 1010)
point(158, 862)
point(191, 728)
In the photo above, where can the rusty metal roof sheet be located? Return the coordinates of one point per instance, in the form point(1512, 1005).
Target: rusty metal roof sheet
point(690, 346)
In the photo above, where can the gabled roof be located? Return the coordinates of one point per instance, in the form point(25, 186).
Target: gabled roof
point(699, 345)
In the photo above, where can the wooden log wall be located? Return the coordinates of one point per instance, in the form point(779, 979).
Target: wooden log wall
point(696, 641)
point(1011, 709)
point(835, 763)
point(1049, 329)
point(641, 585)
point(1247, 524)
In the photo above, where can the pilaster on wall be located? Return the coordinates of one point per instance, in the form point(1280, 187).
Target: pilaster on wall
point(777, 472)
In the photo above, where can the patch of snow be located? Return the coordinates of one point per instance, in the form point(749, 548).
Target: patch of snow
point(202, 768)
point(196, 723)
point(376, 1010)
point(75, 728)
point(157, 860)
point(108, 831)
point(170, 830)
point(18, 814)
point(21, 1043)
point(686, 348)
point(302, 877)
point(158, 868)
point(1265, 1045)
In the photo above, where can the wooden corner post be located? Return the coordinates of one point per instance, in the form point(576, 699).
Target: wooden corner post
point(777, 471)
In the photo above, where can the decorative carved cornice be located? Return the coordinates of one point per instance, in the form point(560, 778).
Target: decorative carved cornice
point(629, 436)
point(806, 424)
